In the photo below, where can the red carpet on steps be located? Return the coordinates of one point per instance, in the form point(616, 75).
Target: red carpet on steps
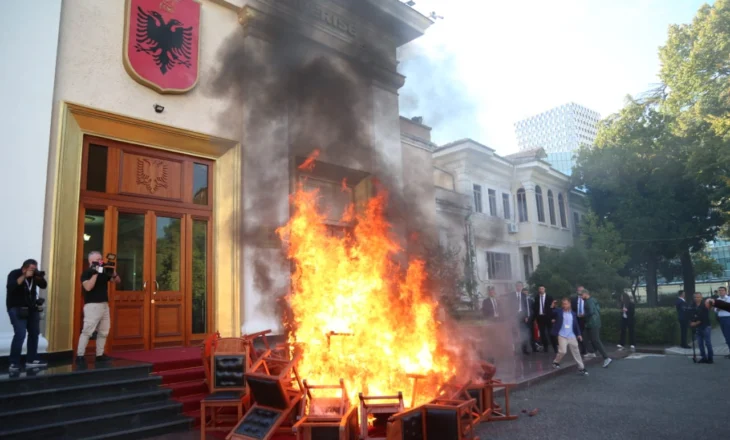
point(181, 370)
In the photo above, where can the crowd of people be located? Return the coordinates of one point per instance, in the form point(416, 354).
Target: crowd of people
point(570, 323)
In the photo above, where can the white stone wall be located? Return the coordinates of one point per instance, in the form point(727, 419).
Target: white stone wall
point(28, 43)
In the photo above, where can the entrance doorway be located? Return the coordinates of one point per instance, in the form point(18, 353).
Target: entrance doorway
point(153, 210)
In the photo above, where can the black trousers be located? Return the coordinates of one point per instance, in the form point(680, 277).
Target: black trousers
point(582, 344)
point(683, 327)
point(522, 333)
point(544, 325)
point(627, 323)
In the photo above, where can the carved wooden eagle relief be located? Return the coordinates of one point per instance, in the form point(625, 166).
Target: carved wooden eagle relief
point(152, 174)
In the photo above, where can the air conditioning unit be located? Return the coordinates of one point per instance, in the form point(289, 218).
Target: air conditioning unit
point(512, 228)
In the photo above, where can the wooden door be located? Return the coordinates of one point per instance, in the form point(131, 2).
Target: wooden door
point(168, 280)
point(153, 209)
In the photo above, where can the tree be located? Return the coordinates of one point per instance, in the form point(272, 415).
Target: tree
point(695, 72)
point(636, 177)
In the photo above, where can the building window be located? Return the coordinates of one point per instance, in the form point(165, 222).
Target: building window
point(551, 207)
point(498, 266)
point(540, 205)
point(477, 198)
point(576, 221)
point(522, 205)
point(492, 202)
point(527, 262)
point(561, 208)
point(505, 206)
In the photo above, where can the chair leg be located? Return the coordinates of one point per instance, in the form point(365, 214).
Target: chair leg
point(202, 421)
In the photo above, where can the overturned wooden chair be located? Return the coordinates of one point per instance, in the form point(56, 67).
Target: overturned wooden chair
point(276, 393)
point(381, 408)
point(227, 365)
point(498, 412)
point(327, 418)
point(444, 420)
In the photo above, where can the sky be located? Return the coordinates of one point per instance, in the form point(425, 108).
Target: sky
point(488, 64)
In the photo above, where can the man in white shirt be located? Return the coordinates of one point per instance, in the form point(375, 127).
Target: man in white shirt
point(724, 317)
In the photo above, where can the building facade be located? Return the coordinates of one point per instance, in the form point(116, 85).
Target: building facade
point(181, 164)
point(513, 206)
point(560, 132)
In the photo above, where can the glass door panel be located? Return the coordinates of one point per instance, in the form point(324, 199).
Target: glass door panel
point(199, 309)
point(167, 293)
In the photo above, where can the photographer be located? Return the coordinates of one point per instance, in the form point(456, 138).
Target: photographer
point(95, 286)
point(24, 309)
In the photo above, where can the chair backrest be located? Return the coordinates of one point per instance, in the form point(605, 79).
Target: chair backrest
point(206, 353)
point(229, 362)
point(442, 423)
point(273, 390)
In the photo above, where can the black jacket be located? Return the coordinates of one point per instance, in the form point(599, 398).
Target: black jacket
point(630, 310)
point(682, 309)
point(546, 308)
point(488, 309)
point(18, 295)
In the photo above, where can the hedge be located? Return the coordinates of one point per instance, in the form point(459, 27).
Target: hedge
point(654, 326)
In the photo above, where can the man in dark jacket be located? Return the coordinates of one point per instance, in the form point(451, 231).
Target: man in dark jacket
point(23, 309)
point(593, 326)
point(683, 317)
point(628, 313)
point(541, 313)
point(565, 327)
point(491, 307)
point(700, 322)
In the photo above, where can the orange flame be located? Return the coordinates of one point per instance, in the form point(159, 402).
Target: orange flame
point(356, 314)
point(308, 165)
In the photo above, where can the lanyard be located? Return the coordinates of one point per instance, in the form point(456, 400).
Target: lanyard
point(29, 284)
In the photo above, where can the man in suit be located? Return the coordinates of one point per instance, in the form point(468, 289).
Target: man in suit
point(579, 307)
point(542, 315)
point(519, 302)
point(565, 327)
point(490, 306)
point(683, 317)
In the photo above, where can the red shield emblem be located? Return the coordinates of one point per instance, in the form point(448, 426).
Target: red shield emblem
point(161, 43)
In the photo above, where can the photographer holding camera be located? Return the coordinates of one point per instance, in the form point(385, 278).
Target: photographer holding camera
point(95, 285)
point(24, 308)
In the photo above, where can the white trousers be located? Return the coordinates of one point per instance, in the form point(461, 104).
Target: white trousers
point(563, 344)
point(96, 318)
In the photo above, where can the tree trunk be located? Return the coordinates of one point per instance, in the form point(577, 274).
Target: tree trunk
point(634, 287)
point(651, 281)
point(688, 273)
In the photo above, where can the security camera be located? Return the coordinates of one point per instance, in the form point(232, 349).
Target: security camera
point(159, 108)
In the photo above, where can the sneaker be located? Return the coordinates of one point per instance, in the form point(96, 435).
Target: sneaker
point(36, 364)
point(103, 358)
point(589, 356)
point(703, 361)
point(620, 347)
point(607, 362)
point(556, 365)
point(633, 348)
point(13, 368)
point(583, 372)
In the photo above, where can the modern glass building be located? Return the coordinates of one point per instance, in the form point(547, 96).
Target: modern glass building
point(720, 251)
point(560, 132)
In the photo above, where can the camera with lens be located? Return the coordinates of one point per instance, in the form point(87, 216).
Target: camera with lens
point(39, 304)
point(109, 266)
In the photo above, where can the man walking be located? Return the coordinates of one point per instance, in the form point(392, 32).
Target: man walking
point(578, 306)
point(724, 317)
point(94, 282)
point(700, 322)
point(683, 317)
point(567, 330)
point(521, 308)
point(490, 306)
point(22, 304)
point(542, 314)
point(593, 326)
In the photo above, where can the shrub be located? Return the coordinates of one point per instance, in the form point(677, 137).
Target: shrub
point(654, 326)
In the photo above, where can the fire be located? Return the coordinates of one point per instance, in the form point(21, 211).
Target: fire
point(356, 313)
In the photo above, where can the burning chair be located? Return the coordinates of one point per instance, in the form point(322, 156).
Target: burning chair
point(276, 393)
point(328, 418)
point(382, 411)
point(227, 363)
point(441, 420)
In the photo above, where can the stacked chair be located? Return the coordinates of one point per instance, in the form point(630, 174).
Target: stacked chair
point(327, 418)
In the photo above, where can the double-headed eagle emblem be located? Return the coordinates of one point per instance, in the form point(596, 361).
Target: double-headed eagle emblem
point(152, 174)
point(169, 44)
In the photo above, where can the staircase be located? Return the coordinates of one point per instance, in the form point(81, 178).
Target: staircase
point(185, 379)
point(120, 402)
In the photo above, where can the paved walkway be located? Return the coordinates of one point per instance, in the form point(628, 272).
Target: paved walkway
point(643, 396)
point(719, 347)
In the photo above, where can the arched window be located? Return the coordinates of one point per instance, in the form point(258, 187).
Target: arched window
point(561, 208)
point(551, 207)
point(522, 205)
point(540, 205)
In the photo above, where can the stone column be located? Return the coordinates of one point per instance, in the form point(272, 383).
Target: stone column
point(265, 176)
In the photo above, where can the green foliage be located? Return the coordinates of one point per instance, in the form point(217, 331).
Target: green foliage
point(654, 326)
